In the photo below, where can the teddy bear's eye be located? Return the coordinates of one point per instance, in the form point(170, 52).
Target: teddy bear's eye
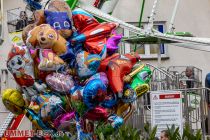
point(51, 36)
point(57, 25)
point(66, 24)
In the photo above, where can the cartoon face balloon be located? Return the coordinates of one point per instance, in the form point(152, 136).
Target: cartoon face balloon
point(59, 21)
point(13, 101)
point(20, 64)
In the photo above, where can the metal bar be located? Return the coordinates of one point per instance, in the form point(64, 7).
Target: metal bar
point(96, 12)
point(171, 25)
point(141, 14)
point(151, 18)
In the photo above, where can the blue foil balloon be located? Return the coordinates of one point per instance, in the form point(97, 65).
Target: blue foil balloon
point(115, 121)
point(109, 101)
point(87, 64)
point(94, 92)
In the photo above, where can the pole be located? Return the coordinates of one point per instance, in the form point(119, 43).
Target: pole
point(171, 25)
point(141, 13)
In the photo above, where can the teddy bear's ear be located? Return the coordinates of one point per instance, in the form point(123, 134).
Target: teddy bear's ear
point(26, 30)
point(31, 40)
point(59, 46)
point(39, 17)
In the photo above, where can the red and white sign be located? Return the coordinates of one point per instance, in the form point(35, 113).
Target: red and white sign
point(166, 110)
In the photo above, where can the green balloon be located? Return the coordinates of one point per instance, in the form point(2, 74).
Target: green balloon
point(140, 82)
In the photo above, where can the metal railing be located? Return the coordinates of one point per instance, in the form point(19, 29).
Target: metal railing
point(195, 110)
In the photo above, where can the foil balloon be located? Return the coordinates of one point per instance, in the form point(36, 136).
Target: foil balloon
point(83, 20)
point(94, 93)
point(97, 113)
point(13, 101)
point(124, 110)
point(116, 67)
point(37, 121)
point(87, 64)
point(110, 101)
point(129, 95)
point(95, 39)
point(65, 122)
point(20, 64)
point(49, 61)
point(72, 50)
point(60, 6)
point(51, 106)
point(115, 121)
point(112, 42)
point(140, 82)
point(102, 76)
point(59, 82)
point(39, 74)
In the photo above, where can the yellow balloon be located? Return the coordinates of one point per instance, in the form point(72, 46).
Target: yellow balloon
point(13, 101)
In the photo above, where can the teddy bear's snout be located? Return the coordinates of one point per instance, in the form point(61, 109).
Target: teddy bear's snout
point(43, 38)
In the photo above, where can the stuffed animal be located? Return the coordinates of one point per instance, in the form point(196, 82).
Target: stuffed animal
point(60, 21)
point(60, 6)
point(45, 37)
point(26, 31)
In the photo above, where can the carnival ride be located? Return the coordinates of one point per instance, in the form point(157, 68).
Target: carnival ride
point(144, 36)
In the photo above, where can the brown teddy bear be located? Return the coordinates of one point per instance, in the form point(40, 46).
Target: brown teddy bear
point(45, 37)
point(39, 18)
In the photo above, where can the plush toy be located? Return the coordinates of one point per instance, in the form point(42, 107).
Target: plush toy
point(60, 6)
point(39, 17)
point(26, 31)
point(60, 21)
point(45, 37)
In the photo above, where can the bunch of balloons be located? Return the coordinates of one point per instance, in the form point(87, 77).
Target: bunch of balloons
point(70, 75)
